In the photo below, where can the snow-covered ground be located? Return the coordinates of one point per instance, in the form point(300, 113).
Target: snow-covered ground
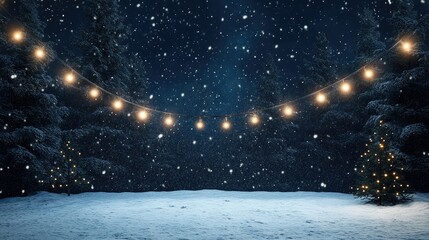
point(210, 214)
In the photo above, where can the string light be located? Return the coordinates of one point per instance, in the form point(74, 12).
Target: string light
point(288, 111)
point(254, 120)
point(321, 98)
point(117, 104)
point(142, 115)
point(169, 121)
point(200, 124)
point(94, 93)
point(226, 125)
point(345, 87)
point(39, 53)
point(70, 78)
point(369, 73)
point(17, 36)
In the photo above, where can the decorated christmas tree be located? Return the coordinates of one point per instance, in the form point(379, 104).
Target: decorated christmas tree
point(381, 173)
point(65, 173)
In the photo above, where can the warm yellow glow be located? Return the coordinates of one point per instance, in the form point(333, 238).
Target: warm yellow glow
point(200, 124)
point(69, 78)
point(226, 125)
point(407, 46)
point(288, 111)
point(142, 115)
point(17, 36)
point(39, 53)
point(94, 93)
point(169, 121)
point(117, 104)
point(345, 88)
point(321, 98)
point(254, 120)
point(369, 73)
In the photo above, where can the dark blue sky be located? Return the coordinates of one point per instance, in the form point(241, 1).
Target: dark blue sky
point(206, 55)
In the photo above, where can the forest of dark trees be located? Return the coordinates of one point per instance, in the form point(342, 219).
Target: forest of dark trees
point(53, 139)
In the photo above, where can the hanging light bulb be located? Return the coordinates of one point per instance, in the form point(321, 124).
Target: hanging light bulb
point(369, 73)
point(39, 53)
point(17, 36)
point(94, 93)
point(407, 46)
point(321, 98)
point(142, 115)
point(288, 111)
point(200, 124)
point(70, 78)
point(117, 104)
point(254, 119)
point(345, 87)
point(226, 125)
point(169, 121)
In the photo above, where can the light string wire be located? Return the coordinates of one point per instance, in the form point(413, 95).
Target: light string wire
point(205, 116)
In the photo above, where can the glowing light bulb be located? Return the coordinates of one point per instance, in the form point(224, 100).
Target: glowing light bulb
point(226, 125)
point(117, 105)
point(345, 87)
point(169, 121)
point(254, 120)
point(39, 53)
point(368, 73)
point(142, 115)
point(70, 78)
point(288, 111)
point(321, 98)
point(200, 124)
point(17, 36)
point(94, 93)
point(407, 46)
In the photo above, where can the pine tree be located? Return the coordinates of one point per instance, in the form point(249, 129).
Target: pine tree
point(30, 135)
point(368, 38)
point(381, 174)
point(399, 97)
point(272, 151)
point(111, 143)
point(319, 69)
point(66, 172)
point(317, 126)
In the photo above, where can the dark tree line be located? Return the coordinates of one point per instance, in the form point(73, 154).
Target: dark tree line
point(317, 148)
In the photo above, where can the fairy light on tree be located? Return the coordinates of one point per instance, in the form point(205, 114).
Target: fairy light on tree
point(380, 173)
point(65, 173)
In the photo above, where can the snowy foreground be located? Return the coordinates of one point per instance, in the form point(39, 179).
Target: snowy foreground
point(210, 215)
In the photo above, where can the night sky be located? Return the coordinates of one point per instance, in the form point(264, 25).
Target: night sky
point(203, 56)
